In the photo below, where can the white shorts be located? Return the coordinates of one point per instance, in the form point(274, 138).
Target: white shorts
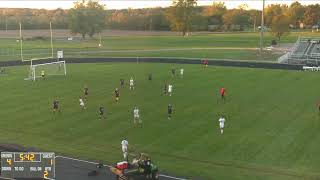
point(81, 104)
point(124, 149)
point(136, 116)
point(131, 84)
point(221, 126)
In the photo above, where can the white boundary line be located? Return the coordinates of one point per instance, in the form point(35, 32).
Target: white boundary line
point(171, 177)
point(6, 178)
point(79, 160)
point(90, 162)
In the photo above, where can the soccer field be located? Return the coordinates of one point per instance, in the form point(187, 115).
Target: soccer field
point(271, 131)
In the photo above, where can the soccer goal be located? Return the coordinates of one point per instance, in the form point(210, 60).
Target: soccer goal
point(48, 69)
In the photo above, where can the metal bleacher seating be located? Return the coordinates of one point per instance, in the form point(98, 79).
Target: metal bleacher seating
point(305, 51)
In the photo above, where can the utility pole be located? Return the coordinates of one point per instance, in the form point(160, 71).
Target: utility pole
point(51, 40)
point(4, 13)
point(262, 28)
point(6, 24)
point(254, 23)
point(21, 53)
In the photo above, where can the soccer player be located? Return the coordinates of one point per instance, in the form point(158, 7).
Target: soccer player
point(223, 94)
point(170, 89)
point(101, 112)
point(122, 83)
point(205, 63)
point(221, 123)
point(117, 94)
point(170, 110)
point(165, 90)
point(181, 72)
point(43, 74)
point(82, 105)
point(86, 91)
point(150, 77)
point(56, 106)
point(124, 147)
point(131, 83)
point(136, 116)
point(173, 72)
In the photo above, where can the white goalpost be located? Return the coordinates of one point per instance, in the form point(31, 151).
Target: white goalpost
point(49, 69)
point(36, 70)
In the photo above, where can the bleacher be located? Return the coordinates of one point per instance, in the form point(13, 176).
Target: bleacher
point(305, 51)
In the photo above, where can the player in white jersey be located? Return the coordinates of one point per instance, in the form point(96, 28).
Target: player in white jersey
point(124, 145)
point(221, 123)
point(131, 83)
point(136, 116)
point(82, 105)
point(181, 72)
point(170, 89)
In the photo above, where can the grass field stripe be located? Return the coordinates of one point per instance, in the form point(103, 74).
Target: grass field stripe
point(171, 177)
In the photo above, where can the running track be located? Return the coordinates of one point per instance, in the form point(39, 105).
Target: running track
point(68, 168)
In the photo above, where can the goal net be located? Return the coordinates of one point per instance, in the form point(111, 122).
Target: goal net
point(48, 69)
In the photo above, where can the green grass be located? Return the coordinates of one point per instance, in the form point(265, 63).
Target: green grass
point(10, 49)
point(272, 124)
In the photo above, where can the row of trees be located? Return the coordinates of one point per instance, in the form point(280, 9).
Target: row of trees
point(89, 17)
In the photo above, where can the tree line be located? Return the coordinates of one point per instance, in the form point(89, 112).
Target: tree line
point(89, 17)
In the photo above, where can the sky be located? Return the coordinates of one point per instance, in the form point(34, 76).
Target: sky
point(124, 4)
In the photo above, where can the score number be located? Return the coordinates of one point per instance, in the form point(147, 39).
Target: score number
point(9, 161)
point(27, 157)
point(45, 174)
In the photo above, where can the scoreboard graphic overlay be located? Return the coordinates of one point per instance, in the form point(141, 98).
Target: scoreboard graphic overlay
point(28, 165)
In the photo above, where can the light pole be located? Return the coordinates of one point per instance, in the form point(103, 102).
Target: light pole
point(262, 28)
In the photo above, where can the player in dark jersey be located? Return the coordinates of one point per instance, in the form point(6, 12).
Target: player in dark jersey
point(150, 77)
point(173, 72)
point(86, 92)
point(170, 110)
point(101, 112)
point(56, 106)
point(122, 83)
point(165, 89)
point(117, 94)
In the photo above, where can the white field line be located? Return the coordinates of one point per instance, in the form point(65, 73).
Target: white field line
point(90, 162)
point(171, 177)
point(6, 178)
point(79, 160)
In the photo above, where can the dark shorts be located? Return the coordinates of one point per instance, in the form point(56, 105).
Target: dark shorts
point(55, 107)
point(86, 93)
point(42, 75)
point(101, 113)
point(169, 112)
